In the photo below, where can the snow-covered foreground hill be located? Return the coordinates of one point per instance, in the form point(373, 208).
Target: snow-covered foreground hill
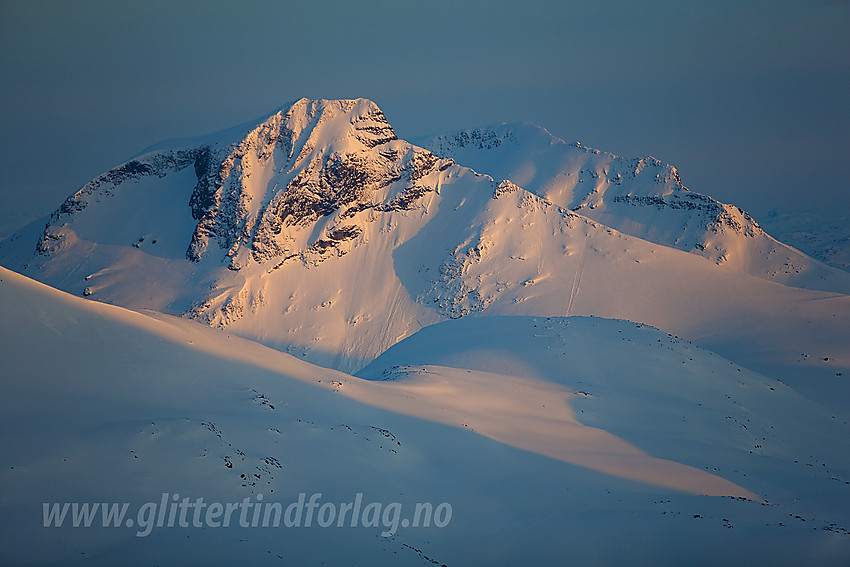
point(507, 420)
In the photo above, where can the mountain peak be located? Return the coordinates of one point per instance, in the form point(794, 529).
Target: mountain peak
point(315, 228)
point(257, 186)
point(338, 120)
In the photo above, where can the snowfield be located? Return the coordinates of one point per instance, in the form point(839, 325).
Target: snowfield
point(107, 405)
point(567, 354)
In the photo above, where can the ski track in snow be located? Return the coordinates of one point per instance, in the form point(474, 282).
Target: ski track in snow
point(576, 280)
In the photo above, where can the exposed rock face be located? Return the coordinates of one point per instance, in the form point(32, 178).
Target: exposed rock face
point(255, 197)
point(319, 158)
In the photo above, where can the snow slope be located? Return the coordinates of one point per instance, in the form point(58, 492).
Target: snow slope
point(100, 404)
point(821, 233)
point(518, 259)
point(642, 197)
point(315, 231)
point(665, 395)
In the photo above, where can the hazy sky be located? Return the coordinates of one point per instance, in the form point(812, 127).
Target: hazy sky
point(748, 99)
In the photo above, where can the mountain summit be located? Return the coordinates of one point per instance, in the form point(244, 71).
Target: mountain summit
point(252, 194)
point(317, 231)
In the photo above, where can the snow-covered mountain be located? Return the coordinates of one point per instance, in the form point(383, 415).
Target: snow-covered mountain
point(238, 227)
point(493, 322)
point(316, 231)
point(642, 197)
point(547, 437)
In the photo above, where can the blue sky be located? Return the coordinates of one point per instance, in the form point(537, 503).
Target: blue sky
point(747, 99)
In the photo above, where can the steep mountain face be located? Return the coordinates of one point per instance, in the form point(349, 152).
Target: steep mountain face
point(642, 197)
point(231, 229)
point(254, 196)
point(317, 232)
